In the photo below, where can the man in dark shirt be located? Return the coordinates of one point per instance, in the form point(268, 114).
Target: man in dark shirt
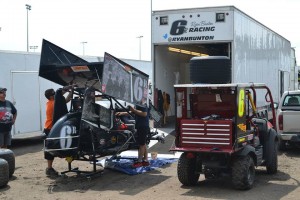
point(142, 126)
point(8, 115)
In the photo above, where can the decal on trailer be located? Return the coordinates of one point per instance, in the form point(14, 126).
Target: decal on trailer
point(191, 27)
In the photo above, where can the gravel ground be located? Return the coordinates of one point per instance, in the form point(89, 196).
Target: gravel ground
point(29, 181)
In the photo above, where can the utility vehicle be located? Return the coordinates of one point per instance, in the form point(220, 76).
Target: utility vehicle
point(224, 129)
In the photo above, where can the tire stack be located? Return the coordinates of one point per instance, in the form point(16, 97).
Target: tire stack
point(210, 69)
point(7, 166)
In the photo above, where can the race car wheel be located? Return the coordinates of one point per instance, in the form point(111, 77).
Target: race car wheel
point(243, 172)
point(4, 172)
point(9, 156)
point(186, 170)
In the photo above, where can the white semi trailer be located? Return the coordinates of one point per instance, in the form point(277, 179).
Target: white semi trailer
point(255, 53)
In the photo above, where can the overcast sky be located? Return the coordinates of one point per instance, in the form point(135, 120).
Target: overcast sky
point(113, 25)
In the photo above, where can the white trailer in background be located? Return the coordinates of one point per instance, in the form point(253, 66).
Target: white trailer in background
point(19, 74)
point(256, 53)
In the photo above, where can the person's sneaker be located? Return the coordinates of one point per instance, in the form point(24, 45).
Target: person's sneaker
point(51, 172)
point(145, 163)
point(137, 164)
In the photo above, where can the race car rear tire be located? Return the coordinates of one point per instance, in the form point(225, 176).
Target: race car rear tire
point(211, 69)
point(4, 172)
point(243, 172)
point(187, 170)
point(9, 156)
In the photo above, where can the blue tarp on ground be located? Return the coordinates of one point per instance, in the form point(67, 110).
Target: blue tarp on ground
point(125, 165)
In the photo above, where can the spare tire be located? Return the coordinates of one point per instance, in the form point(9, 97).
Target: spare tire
point(210, 69)
point(9, 156)
point(4, 172)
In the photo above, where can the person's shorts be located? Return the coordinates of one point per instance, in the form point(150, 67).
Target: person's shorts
point(142, 133)
point(47, 155)
point(5, 138)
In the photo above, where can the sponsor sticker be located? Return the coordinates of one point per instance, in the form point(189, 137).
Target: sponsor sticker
point(80, 68)
point(241, 102)
point(65, 133)
point(242, 127)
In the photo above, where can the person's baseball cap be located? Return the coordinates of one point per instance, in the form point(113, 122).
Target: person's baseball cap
point(2, 89)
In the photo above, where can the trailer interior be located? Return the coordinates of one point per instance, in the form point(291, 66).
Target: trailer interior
point(171, 63)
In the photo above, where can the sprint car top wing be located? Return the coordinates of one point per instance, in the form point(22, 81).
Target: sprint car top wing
point(65, 68)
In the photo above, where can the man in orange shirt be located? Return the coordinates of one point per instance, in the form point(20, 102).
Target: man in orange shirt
point(49, 94)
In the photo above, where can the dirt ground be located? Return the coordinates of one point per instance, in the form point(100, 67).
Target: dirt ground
point(29, 181)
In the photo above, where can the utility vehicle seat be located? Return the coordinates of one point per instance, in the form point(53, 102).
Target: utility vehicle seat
point(262, 125)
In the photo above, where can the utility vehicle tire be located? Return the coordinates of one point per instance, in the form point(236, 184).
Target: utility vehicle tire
point(243, 172)
point(9, 156)
point(186, 170)
point(272, 163)
point(282, 145)
point(4, 172)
